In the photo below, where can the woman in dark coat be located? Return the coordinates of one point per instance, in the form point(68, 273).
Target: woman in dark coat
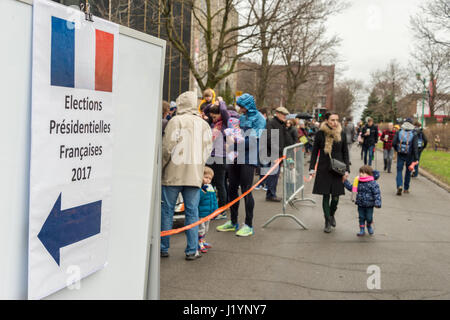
point(329, 139)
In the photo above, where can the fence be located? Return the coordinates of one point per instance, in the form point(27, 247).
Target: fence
point(293, 181)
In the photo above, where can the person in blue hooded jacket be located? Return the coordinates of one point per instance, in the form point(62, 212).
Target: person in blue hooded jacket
point(241, 172)
point(368, 196)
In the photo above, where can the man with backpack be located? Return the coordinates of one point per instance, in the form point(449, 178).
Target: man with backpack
point(421, 145)
point(405, 144)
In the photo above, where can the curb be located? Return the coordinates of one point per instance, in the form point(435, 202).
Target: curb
point(430, 177)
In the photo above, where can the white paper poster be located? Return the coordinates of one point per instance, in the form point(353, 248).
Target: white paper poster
point(73, 78)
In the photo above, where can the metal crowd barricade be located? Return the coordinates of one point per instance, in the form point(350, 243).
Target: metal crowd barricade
point(293, 183)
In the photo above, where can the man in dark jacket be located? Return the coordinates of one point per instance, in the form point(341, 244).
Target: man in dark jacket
point(422, 143)
point(405, 144)
point(275, 151)
point(370, 135)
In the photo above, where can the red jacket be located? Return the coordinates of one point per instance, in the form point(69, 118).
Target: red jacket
point(387, 143)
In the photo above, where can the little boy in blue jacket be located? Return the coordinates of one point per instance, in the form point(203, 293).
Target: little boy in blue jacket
point(368, 196)
point(206, 206)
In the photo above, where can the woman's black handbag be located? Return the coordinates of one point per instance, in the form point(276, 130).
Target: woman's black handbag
point(338, 166)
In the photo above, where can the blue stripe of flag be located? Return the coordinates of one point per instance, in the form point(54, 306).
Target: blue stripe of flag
point(63, 53)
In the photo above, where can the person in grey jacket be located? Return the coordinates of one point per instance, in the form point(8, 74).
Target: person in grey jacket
point(349, 130)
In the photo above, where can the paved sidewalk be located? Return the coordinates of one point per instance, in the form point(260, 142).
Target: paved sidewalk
point(411, 246)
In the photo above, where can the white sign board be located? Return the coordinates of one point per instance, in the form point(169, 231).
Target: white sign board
point(73, 80)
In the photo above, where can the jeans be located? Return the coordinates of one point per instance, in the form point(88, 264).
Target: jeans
point(368, 151)
point(241, 175)
point(416, 167)
point(272, 182)
point(218, 181)
point(402, 161)
point(191, 198)
point(388, 155)
point(365, 215)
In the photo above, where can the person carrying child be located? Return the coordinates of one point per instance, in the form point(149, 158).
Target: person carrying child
point(206, 206)
point(368, 196)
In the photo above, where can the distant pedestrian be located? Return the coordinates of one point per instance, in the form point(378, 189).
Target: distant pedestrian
point(350, 133)
point(370, 136)
point(387, 137)
point(368, 196)
point(259, 170)
point(292, 130)
point(187, 141)
point(405, 144)
point(277, 125)
point(206, 206)
point(422, 143)
point(165, 113)
point(331, 142)
point(437, 142)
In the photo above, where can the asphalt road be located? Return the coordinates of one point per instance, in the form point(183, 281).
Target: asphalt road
point(410, 249)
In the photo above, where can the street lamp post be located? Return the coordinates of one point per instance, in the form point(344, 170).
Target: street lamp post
point(423, 81)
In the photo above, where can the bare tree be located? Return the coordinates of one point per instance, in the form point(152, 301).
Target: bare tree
point(433, 22)
point(389, 85)
point(273, 17)
point(431, 52)
point(346, 95)
point(221, 37)
point(303, 43)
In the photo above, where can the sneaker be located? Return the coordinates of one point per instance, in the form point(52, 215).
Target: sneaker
point(245, 231)
point(405, 191)
point(221, 216)
point(207, 245)
point(399, 191)
point(259, 187)
point(164, 254)
point(370, 229)
point(193, 256)
point(228, 226)
point(201, 247)
point(274, 199)
point(265, 188)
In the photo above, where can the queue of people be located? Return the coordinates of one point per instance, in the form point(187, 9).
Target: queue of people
point(211, 153)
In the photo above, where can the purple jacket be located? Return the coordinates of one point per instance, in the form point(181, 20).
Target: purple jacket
point(219, 146)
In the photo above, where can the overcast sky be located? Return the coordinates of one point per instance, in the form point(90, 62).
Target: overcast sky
point(373, 32)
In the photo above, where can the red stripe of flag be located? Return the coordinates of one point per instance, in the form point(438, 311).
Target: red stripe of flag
point(104, 54)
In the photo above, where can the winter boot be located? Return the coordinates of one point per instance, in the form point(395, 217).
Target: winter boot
point(362, 231)
point(370, 228)
point(327, 228)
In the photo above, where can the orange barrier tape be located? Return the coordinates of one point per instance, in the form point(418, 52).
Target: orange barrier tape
point(221, 209)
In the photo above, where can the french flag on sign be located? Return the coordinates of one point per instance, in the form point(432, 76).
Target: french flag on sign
point(81, 58)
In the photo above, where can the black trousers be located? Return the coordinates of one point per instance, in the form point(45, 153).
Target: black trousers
point(241, 175)
point(219, 182)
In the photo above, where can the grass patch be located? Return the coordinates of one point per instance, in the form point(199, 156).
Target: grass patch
point(436, 163)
